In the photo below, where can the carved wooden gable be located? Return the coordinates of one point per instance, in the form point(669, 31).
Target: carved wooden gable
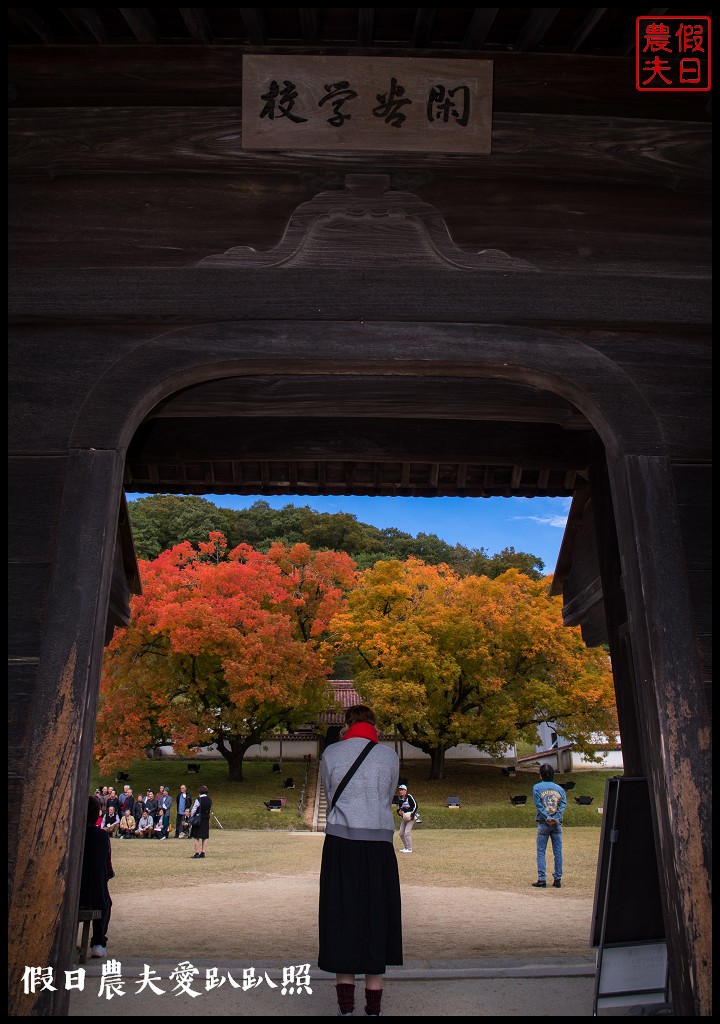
point(367, 224)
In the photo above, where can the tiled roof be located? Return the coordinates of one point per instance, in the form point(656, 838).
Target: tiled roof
point(345, 694)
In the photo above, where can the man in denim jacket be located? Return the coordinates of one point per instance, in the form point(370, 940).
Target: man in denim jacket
point(550, 802)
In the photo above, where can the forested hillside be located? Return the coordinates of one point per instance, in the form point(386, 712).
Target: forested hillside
point(163, 520)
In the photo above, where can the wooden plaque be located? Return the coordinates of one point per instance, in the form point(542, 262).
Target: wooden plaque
point(402, 104)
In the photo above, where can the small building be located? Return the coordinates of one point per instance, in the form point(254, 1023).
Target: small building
point(561, 754)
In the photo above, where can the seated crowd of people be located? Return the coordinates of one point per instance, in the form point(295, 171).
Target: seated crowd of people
point(146, 817)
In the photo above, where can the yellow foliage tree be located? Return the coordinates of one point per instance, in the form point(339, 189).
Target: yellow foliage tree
point(475, 660)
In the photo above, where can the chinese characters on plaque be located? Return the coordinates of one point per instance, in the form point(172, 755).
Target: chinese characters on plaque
point(673, 54)
point(376, 103)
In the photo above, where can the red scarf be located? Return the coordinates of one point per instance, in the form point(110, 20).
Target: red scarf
point(363, 731)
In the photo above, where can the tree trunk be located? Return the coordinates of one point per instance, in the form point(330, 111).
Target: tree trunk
point(234, 757)
point(437, 762)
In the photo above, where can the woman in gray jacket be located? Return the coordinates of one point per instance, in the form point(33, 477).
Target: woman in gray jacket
point(360, 921)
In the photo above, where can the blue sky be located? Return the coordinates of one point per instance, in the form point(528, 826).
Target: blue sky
point(534, 525)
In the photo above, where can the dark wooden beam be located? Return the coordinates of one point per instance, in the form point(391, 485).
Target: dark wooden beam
point(536, 27)
point(208, 76)
point(88, 22)
point(542, 447)
point(541, 299)
point(366, 26)
point(31, 23)
point(422, 29)
point(579, 37)
point(445, 397)
point(527, 146)
point(480, 24)
point(254, 25)
point(197, 23)
point(142, 23)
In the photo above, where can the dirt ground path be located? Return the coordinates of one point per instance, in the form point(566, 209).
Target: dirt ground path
point(255, 897)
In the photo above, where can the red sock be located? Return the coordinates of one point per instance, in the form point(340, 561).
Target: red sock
point(346, 998)
point(373, 996)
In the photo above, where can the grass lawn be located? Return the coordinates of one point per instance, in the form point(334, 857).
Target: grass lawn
point(483, 790)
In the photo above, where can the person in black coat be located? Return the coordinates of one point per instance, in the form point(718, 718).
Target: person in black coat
point(201, 830)
point(97, 869)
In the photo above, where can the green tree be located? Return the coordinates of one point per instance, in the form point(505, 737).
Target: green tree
point(482, 564)
point(163, 520)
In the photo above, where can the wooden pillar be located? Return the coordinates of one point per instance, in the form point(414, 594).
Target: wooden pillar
point(60, 727)
point(672, 716)
point(616, 618)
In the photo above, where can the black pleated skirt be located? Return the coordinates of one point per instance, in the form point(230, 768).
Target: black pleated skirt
point(360, 916)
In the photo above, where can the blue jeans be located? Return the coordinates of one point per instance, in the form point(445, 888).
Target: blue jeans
point(554, 834)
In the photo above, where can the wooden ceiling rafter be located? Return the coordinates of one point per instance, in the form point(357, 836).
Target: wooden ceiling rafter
point(309, 25)
point(536, 27)
point(345, 476)
point(87, 21)
point(142, 23)
point(366, 26)
point(628, 45)
point(459, 29)
point(591, 22)
point(30, 23)
point(479, 27)
point(422, 29)
point(254, 25)
point(197, 24)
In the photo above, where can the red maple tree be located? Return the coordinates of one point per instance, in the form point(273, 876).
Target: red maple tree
point(223, 647)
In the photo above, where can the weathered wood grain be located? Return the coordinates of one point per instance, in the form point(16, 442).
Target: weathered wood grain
point(31, 533)
point(178, 219)
point(43, 904)
point(616, 618)
point(378, 293)
point(28, 587)
point(672, 715)
point(693, 487)
point(562, 147)
point(694, 490)
point(449, 397)
point(22, 676)
point(211, 75)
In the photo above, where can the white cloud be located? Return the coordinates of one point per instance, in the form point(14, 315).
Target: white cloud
point(556, 520)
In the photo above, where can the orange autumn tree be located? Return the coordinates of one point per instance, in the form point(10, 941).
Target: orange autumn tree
point(223, 646)
point(475, 660)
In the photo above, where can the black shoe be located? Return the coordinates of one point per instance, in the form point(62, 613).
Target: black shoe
point(195, 856)
point(557, 884)
point(539, 885)
point(201, 855)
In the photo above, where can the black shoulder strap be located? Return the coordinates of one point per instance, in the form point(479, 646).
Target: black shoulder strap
point(351, 771)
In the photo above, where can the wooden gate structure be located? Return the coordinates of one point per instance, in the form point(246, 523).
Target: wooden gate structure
point(190, 315)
